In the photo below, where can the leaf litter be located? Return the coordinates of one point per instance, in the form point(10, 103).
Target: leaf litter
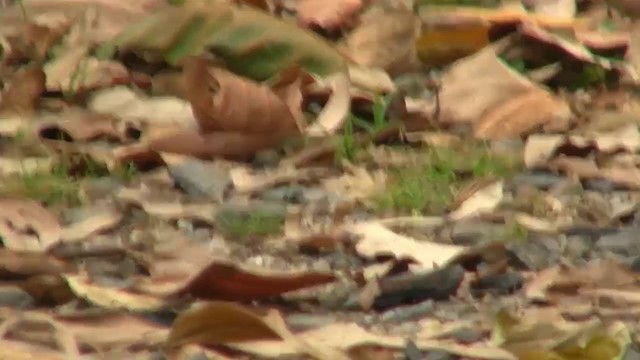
point(319, 180)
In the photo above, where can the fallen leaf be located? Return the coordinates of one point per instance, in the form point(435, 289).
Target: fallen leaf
point(484, 92)
point(220, 281)
point(107, 331)
point(23, 92)
point(17, 264)
point(123, 103)
point(377, 240)
point(385, 39)
point(223, 144)
point(481, 196)
point(113, 17)
point(81, 126)
point(246, 181)
point(17, 350)
point(328, 15)
point(283, 45)
point(446, 38)
point(112, 298)
point(345, 336)
point(25, 225)
point(102, 220)
point(511, 118)
point(214, 94)
point(358, 183)
point(169, 210)
point(556, 8)
point(230, 324)
point(76, 72)
point(59, 334)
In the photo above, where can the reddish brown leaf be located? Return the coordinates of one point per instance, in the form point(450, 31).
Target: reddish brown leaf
point(227, 282)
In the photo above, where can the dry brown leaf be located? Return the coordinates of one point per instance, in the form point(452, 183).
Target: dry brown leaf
point(446, 37)
point(234, 325)
point(62, 338)
point(553, 8)
point(345, 336)
point(219, 281)
point(221, 101)
point(480, 196)
point(74, 71)
point(168, 210)
point(385, 39)
point(27, 226)
point(377, 240)
point(106, 331)
point(480, 89)
point(16, 350)
point(328, 15)
point(105, 219)
point(81, 126)
point(34, 40)
point(247, 182)
point(630, 8)
point(113, 16)
point(112, 298)
point(513, 117)
point(218, 323)
point(17, 264)
point(23, 92)
point(229, 145)
point(358, 183)
point(129, 106)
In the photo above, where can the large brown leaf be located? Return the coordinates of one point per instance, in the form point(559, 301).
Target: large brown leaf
point(222, 101)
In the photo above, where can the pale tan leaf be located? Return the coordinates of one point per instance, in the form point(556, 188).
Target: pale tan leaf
point(480, 197)
point(112, 298)
point(378, 240)
point(104, 219)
